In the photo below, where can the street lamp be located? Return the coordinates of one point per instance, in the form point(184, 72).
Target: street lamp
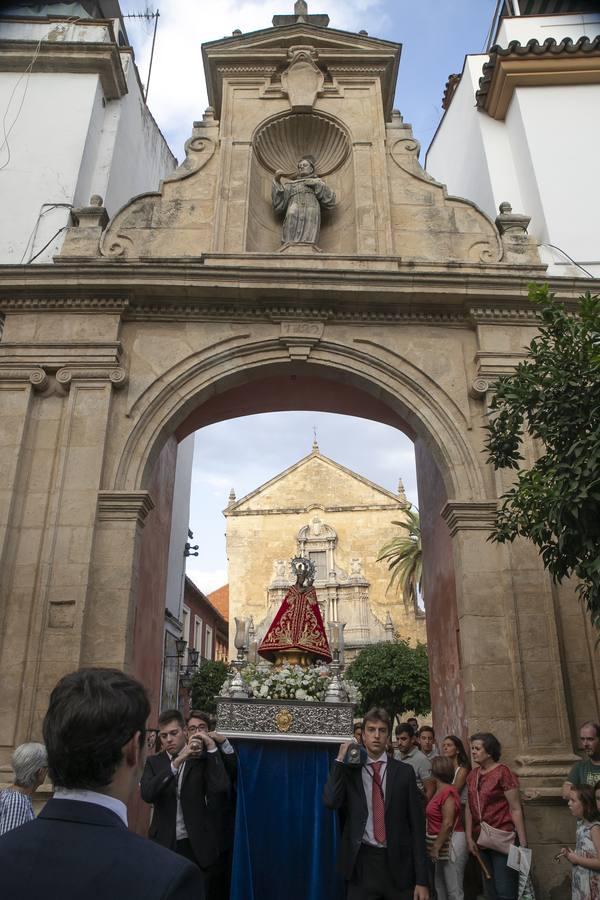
point(180, 645)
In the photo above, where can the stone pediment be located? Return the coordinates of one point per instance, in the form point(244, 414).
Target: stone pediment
point(266, 53)
point(316, 483)
point(282, 95)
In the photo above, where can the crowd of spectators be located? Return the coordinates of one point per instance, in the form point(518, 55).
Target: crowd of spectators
point(96, 754)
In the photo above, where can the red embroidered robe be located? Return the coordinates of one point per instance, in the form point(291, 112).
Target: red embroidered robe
point(297, 626)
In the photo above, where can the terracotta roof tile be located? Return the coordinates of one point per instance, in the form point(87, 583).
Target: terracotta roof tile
point(220, 600)
point(533, 49)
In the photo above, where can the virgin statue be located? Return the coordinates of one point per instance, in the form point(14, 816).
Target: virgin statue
point(297, 634)
point(301, 200)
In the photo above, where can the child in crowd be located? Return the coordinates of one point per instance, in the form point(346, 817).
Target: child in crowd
point(585, 859)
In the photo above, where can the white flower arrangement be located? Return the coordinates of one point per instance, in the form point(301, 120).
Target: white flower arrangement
point(293, 682)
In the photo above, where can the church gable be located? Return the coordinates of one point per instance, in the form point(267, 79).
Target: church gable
point(315, 480)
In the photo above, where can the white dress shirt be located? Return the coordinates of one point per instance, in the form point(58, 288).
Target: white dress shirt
point(81, 796)
point(367, 779)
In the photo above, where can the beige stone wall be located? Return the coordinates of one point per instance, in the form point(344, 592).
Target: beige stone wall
point(264, 528)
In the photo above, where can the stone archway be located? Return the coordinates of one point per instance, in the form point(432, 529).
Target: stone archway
point(171, 317)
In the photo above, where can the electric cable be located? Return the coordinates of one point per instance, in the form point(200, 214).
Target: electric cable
point(42, 212)
point(570, 258)
point(64, 227)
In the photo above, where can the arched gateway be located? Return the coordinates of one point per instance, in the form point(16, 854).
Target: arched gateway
point(189, 308)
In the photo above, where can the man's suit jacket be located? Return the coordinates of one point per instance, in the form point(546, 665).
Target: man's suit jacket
point(203, 782)
point(404, 821)
point(75, 850)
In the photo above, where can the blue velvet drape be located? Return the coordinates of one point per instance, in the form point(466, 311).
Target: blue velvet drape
point(285, 839)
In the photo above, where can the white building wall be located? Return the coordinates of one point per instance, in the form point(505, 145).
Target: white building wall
point(67, 141)
point(542, 158)
point(179, 526)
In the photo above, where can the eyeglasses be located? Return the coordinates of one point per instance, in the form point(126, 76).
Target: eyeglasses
point(192, 729)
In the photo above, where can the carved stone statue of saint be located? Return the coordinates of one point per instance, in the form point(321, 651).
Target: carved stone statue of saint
point(301, 200)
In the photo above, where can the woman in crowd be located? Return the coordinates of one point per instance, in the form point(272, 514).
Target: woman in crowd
point(30, 765)
point(453, 748)
point(494, 817)
point(585, 859)
point(446, 841)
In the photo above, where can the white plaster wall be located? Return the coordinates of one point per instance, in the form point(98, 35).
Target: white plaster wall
point(179, 525)
point(524, 28)
point(470, 152)
point(67, 142)
point(141, 156)
point(46, 146)
point(555, 136)
point(543, 158)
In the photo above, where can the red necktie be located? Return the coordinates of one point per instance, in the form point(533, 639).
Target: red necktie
point(378, 804)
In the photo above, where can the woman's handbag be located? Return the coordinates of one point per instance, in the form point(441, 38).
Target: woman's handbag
point(444, 852)
point(491, 838)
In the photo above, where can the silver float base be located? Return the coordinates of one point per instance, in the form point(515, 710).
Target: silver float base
point(285, 720)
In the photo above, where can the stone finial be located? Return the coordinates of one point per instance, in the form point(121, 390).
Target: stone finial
point(401, 492)
point(232, 497)
point(96, 200)
point(300, 16)
point(315, 445)
point(509, 221)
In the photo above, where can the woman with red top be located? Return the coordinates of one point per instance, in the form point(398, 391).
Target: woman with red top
point(446, 841)
point(493, 799)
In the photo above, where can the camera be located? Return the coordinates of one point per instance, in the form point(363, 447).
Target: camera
point(356, 756)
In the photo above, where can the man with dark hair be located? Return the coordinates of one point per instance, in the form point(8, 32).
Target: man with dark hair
point(426, 736)
point(586, 771)
point(79, 845)
point(184, 783)
point(221, 808)
point(382, 852)
point(407, 753)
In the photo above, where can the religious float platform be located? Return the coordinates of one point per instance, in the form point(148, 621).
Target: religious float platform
point(286, 841)
point(287, 714)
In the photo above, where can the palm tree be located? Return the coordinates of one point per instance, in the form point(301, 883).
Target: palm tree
point(404, 557)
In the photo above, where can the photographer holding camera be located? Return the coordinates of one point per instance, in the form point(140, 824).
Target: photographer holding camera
point(180, 782)
point(382, 851)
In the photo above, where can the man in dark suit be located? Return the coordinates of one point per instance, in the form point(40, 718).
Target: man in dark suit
point(79, 846)
point(382, 853)
point(184, 782)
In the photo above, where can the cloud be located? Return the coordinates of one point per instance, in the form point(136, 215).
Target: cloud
point(207, 580)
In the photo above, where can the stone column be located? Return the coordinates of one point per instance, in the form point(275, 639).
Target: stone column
point(52, 459)
point(107, 629)
point(510, 656)
point(512, 672)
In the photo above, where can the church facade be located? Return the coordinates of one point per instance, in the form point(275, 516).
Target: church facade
point(339, 520)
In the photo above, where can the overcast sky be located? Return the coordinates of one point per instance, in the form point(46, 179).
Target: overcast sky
point(244, 453)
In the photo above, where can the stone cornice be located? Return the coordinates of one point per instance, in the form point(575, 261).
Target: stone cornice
point(473, 515)
point(303, 510)
point(79, 57)
point(174, 290)
point(128, 506)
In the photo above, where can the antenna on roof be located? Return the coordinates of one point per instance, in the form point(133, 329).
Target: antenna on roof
point(147, 15)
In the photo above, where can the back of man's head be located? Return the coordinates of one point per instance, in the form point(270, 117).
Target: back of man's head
point(92, 714)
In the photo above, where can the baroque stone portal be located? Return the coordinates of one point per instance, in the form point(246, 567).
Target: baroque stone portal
point(301, 200)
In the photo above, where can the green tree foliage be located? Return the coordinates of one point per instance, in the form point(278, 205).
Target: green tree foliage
point(555, 396)
point(404, 557)
point(206, 684)
point(393, 675)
